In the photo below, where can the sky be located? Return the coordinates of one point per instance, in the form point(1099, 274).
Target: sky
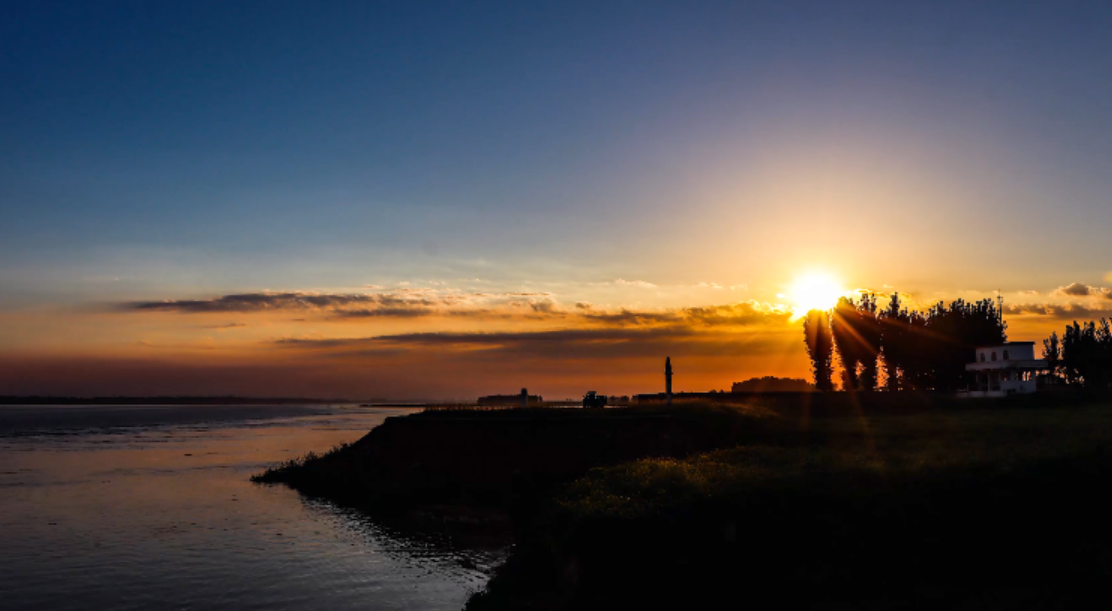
point(439, 200)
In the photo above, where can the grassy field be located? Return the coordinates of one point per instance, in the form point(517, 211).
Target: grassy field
point(975, 505)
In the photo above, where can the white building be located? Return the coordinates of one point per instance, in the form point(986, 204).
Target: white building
point(1003, 370)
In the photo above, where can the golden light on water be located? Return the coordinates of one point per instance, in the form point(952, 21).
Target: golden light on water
point(814, 291)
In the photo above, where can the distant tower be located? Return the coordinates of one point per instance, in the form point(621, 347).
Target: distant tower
point(524, 397)
point(668, 378)
point(999, 305)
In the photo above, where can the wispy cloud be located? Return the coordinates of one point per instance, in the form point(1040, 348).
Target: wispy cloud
point(1078, 289)
point(571, 344)
point(494, 338)
point(225, 326)
point(254, 302)
point(400, 303)
point(417, 302)
point(738, 314)
point(636, 283)
point(1061, 311)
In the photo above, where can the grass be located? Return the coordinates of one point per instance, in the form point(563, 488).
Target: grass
point(307, 461)
point(888, 447)
point(976, 505)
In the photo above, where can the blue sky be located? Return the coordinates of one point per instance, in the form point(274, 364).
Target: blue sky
point(173, 150)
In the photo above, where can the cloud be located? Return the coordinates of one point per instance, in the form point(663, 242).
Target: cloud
point(570, 344)
point(1078, 289)
point(637, 283)
point(388, 312)
point(545, 306)
point(560, 335)
point(402, 303)
point(624, 317)
point(230, 325)
point(1060, 311)
point(253, 302)
point(741, 313)
point(409, 303)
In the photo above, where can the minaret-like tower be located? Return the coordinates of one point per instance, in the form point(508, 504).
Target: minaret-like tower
point(668, 378)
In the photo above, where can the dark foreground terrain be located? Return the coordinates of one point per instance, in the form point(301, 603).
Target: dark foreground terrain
point(502, 461)
point(837, 504)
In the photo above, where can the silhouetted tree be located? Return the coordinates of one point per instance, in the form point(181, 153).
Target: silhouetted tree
point(894, 331)
point(954, 332)
point(916, 359)
point(1103, 359)
point(1052, 352)
point(1087, 354)
point(843, 326)
point(921, 350)
point(868, 331)
point(820, 348)
point(857, 337)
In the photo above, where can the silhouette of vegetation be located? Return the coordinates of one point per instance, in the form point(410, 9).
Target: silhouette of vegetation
point(1085, 356)
point(1052, 352)
point(812, 512)
point(820, 348)
point(772, 384)
point(500, 457)
point(895, 332)
point(281, 470)
point(920, 351)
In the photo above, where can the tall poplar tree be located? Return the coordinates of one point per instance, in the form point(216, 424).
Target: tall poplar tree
point(820, 348)
point(844, 323)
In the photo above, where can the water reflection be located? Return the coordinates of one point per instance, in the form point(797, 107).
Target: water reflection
point(133, 511)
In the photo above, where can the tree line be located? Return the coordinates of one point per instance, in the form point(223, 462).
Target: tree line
point(1083, 355)
point(915, 350)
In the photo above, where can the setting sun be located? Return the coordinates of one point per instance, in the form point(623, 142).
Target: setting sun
point(814, 291)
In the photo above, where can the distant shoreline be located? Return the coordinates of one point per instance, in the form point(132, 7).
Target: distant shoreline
point(184, 400)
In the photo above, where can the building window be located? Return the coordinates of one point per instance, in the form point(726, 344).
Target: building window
point(994, 355)
point(1005, 355)
point(982, 357)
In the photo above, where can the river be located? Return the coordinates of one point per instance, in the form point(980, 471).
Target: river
point(150, 507)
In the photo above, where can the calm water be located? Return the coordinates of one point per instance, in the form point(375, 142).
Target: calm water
point(151, 508)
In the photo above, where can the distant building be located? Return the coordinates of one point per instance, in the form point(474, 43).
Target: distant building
point(509, 399)
point(1005, 369)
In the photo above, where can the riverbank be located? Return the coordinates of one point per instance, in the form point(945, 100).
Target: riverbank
point(830, 501)
point(503, 462)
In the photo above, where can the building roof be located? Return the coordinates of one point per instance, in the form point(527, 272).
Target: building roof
point(1005, 345)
